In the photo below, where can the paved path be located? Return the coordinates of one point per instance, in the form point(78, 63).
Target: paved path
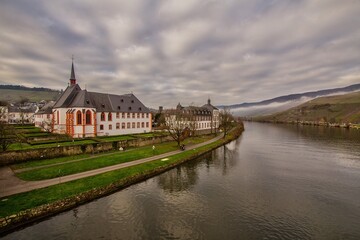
point(10, 184)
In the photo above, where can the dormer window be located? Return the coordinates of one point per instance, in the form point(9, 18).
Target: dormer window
point(119, 107)
point(122, 100)
point(129, 108)
point(139, 108)
point(132, 101)
point(87, 101)
point(103, 105)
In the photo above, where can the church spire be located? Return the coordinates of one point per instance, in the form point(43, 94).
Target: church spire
point(72, 76)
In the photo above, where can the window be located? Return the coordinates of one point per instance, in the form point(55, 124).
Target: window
point(128, 125)
point(147, 124)
point(133, 125)
point(128, 115)
point(142, 124)
point(142, 115)
point(123, 125)
point(102, 116)
point(101, 127)
point(117, 115)
point(147, 115)
point(138, 115)
point(138, 125)
point(123, 115)
point(117, 125)
point(88, 117)
point(109, 117)
point(110, 127)
point(78, 117)
point(133, 115)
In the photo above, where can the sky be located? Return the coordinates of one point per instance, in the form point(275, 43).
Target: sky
point(170, 51)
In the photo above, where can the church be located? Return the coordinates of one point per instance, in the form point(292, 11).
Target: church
point(81, 114)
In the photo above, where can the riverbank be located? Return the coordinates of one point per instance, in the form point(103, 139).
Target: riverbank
point(312, 123)
point(74, 193)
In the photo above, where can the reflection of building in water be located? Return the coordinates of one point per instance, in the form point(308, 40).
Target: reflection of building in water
point(224, 157)
point(180, 178)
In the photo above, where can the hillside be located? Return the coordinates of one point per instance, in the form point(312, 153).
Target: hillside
point(11, 93)
point(286, 102)
point(333, 109)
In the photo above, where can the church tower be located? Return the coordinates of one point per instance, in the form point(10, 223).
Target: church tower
point(72, 76)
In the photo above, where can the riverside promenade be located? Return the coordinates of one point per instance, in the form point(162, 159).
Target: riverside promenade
point(10, 184)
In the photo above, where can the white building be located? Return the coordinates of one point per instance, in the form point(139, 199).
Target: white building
point(21, 115)
point(80, 113)
point(201, 119)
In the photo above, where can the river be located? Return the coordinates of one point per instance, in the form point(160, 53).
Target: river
point(274, 182)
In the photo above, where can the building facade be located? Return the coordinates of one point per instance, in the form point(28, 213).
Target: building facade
point(80, 113)
point(203, 119)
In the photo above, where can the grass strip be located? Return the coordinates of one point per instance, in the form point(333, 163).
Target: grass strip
point(23, 201)
point(100, 162)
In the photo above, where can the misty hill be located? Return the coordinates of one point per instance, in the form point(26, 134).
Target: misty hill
point(333, 109)
point(15, 93)
point(283, 103)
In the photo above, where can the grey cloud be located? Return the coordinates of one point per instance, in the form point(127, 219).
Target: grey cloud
point(183, 51)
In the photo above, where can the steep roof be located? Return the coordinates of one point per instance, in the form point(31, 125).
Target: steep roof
point(102, 102)
point(47, 108)
point(67, 96)
point(74, 96)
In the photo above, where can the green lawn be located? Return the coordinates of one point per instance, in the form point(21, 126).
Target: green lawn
point(103, 160)
point(23, 201)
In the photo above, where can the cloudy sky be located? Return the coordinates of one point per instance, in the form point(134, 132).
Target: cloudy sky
point(170, 51)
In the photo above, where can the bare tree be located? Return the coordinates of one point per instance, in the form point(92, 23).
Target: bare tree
point(226, 120)
point(7, 135)
point(177, 124)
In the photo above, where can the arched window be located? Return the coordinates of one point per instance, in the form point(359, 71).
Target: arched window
point(123, 125)
point(128, 125)
point(78, 118)
point(117, 125)
point(138, 125)
point(102, 116)
point(88, 117)
point(109, 117)
point(133, 125)
point(142, 124)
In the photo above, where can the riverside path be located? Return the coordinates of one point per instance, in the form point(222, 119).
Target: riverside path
point(10, 184)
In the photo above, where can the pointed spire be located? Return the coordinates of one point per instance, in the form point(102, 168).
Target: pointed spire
point(72, 75)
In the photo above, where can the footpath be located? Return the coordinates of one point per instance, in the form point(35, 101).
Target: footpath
point(10, 184)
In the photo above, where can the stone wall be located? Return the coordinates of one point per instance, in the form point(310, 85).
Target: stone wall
point(12, 157)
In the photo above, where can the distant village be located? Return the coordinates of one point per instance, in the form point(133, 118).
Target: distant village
point(80, 114)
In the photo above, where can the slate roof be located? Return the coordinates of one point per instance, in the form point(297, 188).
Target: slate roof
point(74, 96)
point(47, 108)
point(209, 106)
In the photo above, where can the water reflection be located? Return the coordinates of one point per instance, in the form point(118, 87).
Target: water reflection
point(178, 179)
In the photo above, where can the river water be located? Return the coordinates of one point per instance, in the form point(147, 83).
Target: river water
point(274, 182)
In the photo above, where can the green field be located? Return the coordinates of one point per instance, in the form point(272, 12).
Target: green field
point(11, 95)
point(333, 109)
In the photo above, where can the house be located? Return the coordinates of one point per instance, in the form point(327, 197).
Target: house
point(80, 113)
point(4, 114)
point(43, 118)
point(22, 114)
point(203, 119)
